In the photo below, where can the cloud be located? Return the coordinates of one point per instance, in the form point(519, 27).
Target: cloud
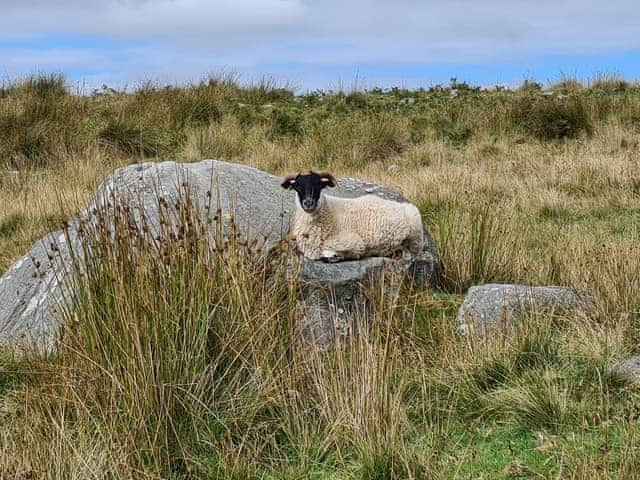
point(179, 19)
point(182, 37)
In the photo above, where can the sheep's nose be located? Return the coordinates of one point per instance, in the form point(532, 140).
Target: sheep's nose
point(307, 203)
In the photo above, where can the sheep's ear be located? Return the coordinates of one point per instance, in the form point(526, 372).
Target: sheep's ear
point(289, 182)
point(327, 179)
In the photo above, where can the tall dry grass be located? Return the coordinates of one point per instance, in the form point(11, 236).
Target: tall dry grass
point(190, 367)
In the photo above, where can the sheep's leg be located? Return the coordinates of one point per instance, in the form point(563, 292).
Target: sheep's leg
point(346, 246)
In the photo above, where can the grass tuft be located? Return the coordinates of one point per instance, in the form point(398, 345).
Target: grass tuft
point(552, 117)
point(10, 224)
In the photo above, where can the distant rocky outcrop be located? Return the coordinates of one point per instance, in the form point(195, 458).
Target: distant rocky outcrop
point(332, 295)
point(494, 308)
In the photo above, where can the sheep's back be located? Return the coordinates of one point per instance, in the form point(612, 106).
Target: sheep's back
point(378, 221)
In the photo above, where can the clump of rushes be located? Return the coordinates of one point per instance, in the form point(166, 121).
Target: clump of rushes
point(39, 116)
point(475, 246)
point(173, 324)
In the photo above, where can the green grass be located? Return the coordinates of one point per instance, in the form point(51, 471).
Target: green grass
point(10, 224)
point(40, 118)
point(9, 373)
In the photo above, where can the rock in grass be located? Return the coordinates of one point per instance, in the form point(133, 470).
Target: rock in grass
point(31, 290)
point(337, 296)
point(494, 308)
point(30, 294)
point(629, 368)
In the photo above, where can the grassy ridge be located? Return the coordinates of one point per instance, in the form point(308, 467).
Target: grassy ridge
point(41, 119)
point(186, 367)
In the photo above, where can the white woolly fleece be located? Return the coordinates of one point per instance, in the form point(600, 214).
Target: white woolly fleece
point(358, 227)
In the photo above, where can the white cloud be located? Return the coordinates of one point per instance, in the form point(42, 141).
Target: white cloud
point(177, 18)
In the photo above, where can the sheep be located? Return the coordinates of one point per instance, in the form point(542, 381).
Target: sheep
point(332, 229)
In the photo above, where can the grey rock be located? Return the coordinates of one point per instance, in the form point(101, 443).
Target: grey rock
point(33, 289)
point(494, 308)
point(261, 209)
point(629, 368)
point(338, 297)
point(30, 292)
point(407, 101)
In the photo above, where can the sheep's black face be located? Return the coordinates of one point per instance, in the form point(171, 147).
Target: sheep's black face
point(308, 188)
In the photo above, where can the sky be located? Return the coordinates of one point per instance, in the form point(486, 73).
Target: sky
point(313, 44)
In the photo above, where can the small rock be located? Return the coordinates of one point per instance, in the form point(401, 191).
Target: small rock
point(407, 101)
point(492, 308)
point(629, 368)
point(393, 168)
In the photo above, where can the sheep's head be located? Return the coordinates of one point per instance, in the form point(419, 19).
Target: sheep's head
point(308, 188)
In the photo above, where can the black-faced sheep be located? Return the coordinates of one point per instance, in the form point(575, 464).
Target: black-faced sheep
point(332, 229)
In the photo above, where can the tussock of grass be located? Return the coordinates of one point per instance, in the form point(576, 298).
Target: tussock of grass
point(609, 83)
point(566, 84)
point(552, 117)
point(476, 246)
point(225, 139)
point(132, 140)
point(10, 225)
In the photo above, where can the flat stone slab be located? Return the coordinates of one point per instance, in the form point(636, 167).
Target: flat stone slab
point(493, 308)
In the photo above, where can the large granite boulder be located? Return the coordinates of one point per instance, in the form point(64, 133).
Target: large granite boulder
point(33, 288)
point(494, 308)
